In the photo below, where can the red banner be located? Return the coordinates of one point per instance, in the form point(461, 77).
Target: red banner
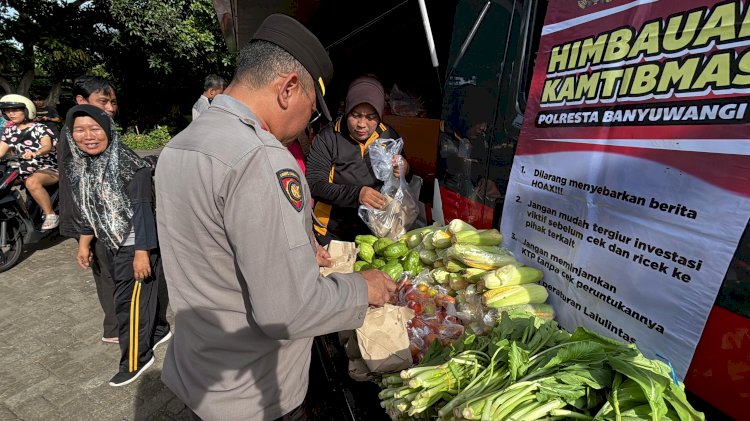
point(666, 81)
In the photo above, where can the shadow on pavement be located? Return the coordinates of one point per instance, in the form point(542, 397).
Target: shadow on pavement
point(154, 400)
point(43, 244)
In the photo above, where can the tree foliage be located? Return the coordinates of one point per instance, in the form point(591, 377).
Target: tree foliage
point(54, 39)
point(170, 31)
point(163, 50)
point(157, 52)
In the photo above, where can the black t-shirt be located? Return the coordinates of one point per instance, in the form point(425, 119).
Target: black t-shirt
point(49, 112)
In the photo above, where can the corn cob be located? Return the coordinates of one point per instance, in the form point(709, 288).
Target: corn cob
point(492, 249)
point(491, 237)
point(414, 237)
point(515, 295)
point(477, 258)
point(440, 275)
point(442, 254)
point(473, 275)
point(457, 225)
point(420, 230)
point(441, 239)
point(453, 265)
point(427, 257)
point(427, 241)
point(543, 311)
point(514, 274)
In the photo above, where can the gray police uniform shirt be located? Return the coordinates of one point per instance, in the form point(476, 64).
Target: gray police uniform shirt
point(235, 232)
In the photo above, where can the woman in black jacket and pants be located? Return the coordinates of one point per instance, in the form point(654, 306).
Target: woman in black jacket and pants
point(112, 190)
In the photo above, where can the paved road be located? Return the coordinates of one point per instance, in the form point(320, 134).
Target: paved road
point(53, 364)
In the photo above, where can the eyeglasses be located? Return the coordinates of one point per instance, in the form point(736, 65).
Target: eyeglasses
point(315, 114)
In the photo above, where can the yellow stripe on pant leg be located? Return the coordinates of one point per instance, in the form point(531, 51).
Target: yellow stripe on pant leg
point(137, 322)
point(130, 335)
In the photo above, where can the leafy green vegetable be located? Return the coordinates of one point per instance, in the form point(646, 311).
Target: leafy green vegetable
point(675, 397)
point(527, 369)
point(652, 376)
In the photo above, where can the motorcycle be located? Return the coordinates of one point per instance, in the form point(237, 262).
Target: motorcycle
point(21, 218)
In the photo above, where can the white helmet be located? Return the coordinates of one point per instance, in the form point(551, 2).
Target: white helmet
point(19, 101)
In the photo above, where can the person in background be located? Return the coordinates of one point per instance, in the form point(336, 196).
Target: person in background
point(112, 191)
point(296, 149)
point(463, 144)
point(237, 239)
point(47, 114)
point(34, 144)
point(338, 166)
point(97, 91)
point(213, 85)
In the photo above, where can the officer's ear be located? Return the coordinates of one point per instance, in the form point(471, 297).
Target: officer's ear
point(288, 88)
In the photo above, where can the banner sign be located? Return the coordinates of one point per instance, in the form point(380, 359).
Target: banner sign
point(630, 186)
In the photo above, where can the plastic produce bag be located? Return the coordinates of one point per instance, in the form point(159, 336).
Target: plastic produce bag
point(400, 209)
point(381, 153)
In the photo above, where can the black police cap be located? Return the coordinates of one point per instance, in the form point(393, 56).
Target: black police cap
point(304, 46)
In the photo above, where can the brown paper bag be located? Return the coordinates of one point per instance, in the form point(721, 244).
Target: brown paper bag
point(383, 339)
point(359, 371)
point(343, 255)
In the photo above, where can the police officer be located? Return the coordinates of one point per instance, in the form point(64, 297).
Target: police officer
point(235, 229)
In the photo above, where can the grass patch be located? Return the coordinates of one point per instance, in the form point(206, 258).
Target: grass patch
point(153, 139)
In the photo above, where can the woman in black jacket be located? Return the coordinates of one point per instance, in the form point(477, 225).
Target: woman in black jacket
point(112, 190)
point(339, 171)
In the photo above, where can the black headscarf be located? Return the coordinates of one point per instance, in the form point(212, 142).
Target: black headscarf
point(99, 182)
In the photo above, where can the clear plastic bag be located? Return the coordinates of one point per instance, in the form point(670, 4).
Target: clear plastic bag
point(400, 209)
point(381, 153)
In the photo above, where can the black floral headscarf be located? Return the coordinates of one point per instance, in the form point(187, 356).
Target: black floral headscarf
point(99, 182)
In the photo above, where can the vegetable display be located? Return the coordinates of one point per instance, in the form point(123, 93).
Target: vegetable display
point(527, 368)
point(458, 261)
point(486, 346)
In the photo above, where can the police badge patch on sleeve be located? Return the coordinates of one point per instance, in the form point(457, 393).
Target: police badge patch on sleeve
point(292, 188)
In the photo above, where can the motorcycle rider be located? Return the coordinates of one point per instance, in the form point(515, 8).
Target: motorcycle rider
point(34, 143)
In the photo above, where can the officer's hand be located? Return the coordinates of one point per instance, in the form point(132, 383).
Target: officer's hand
point(380, 288)
point(404, 165)
point(371, 197)
point(323, 257)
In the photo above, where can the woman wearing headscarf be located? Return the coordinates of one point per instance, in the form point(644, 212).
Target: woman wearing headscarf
point(339, 170)
point(112, 189)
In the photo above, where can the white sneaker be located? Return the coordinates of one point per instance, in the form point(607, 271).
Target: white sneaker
point(163, 339)
point(123, 378)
